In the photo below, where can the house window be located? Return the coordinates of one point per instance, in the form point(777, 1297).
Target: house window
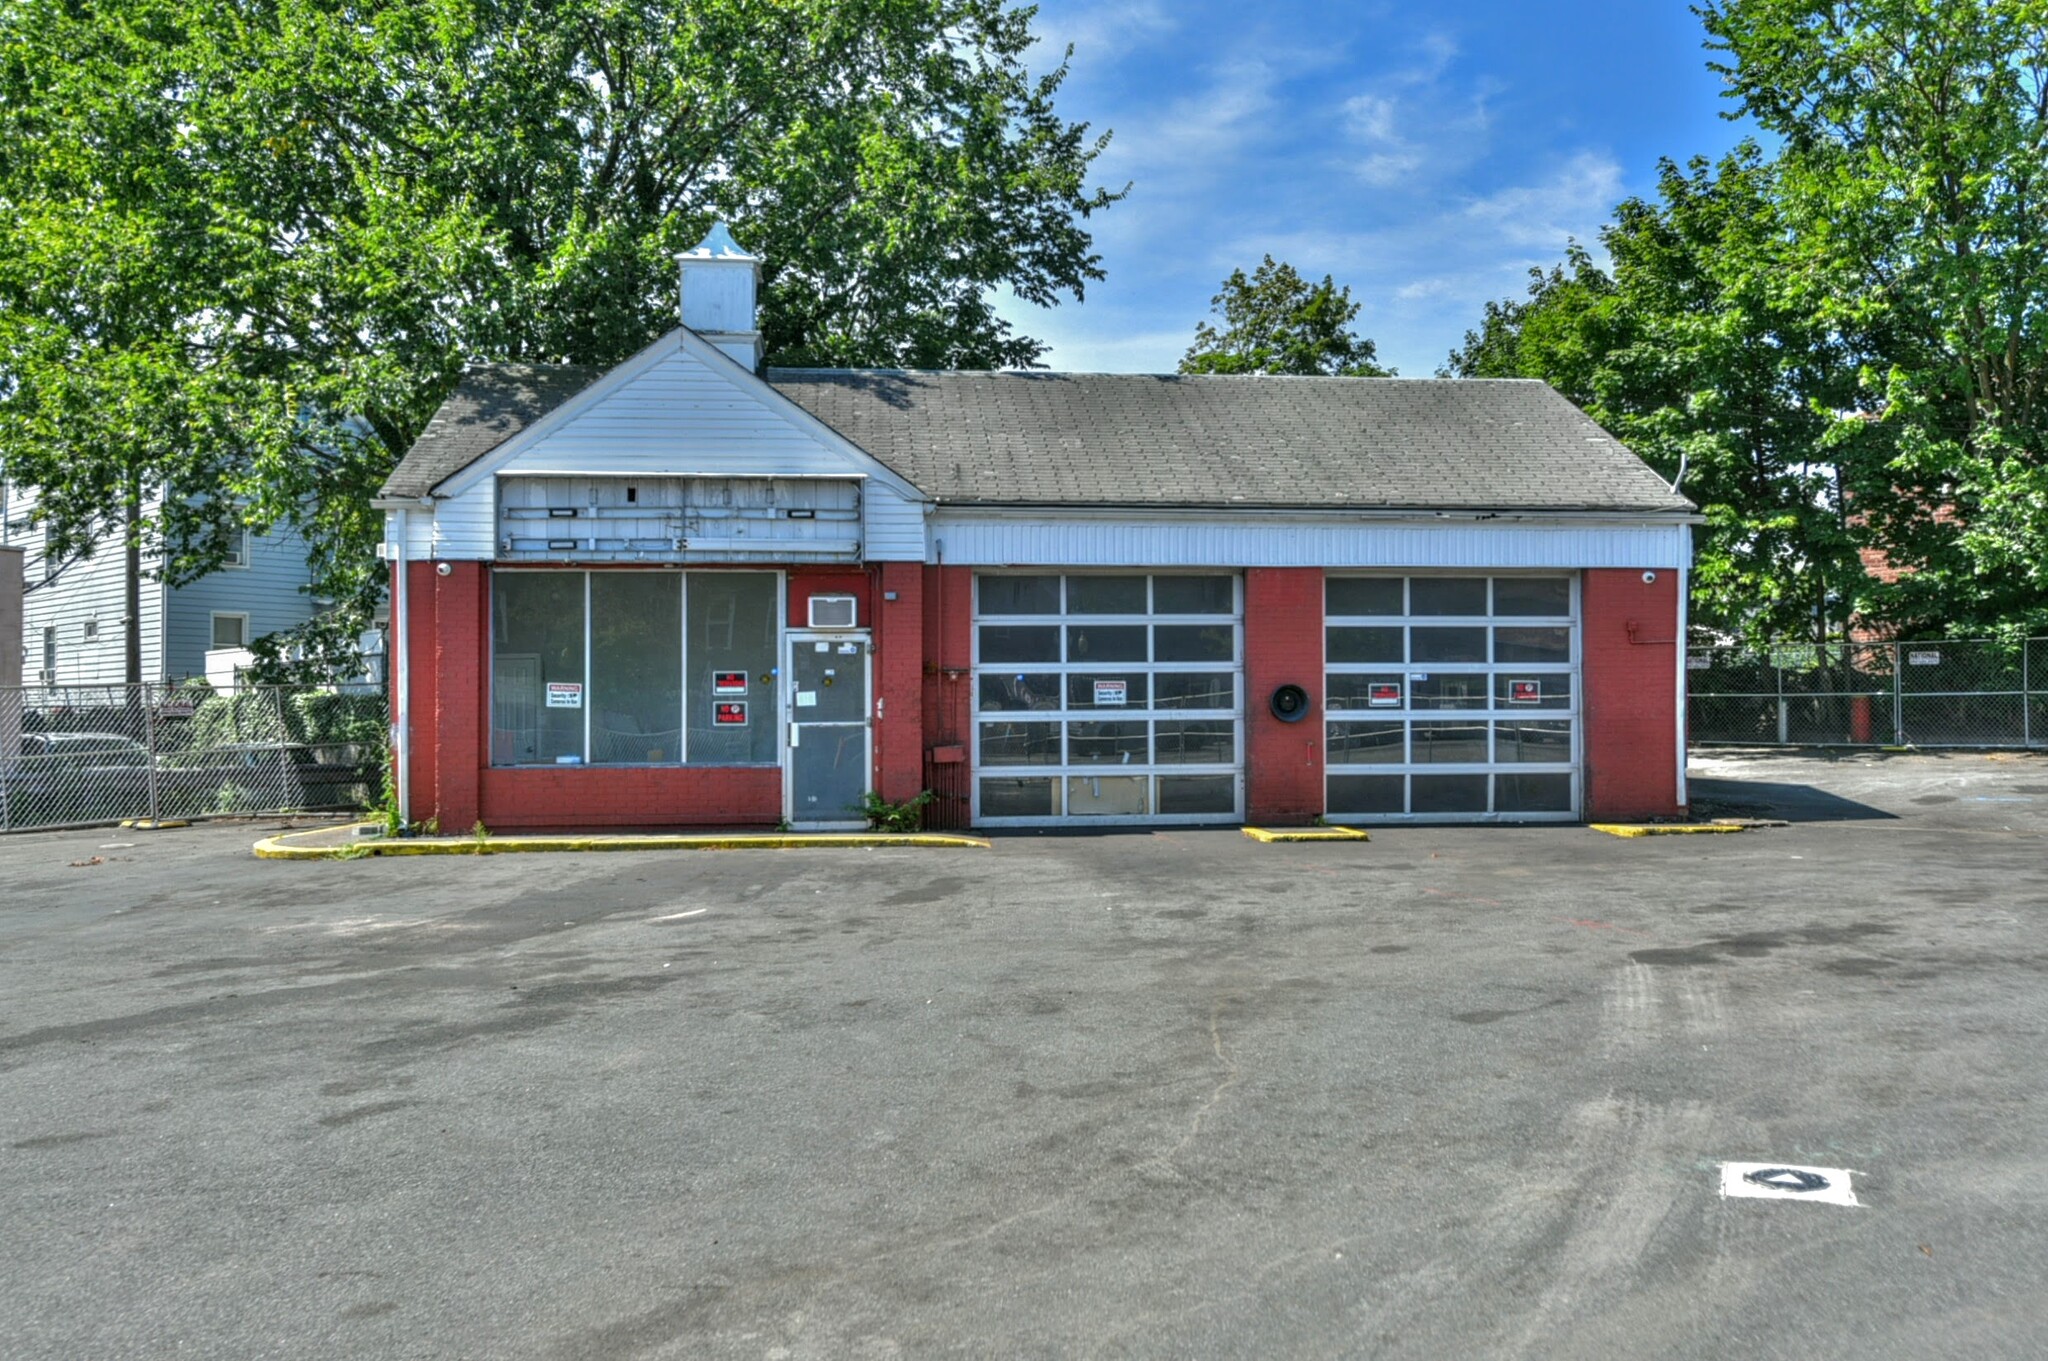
point(49, 676)
point(92, 630)
point(238, 555)
point(230, 630)
point(621, 668)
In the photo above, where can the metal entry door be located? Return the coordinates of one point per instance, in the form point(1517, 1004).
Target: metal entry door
point(828, 762)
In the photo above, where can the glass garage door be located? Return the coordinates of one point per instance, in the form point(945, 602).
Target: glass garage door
point(1107, 698)
point(1451, 698)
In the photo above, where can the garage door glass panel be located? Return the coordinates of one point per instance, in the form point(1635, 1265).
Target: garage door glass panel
point(1211, 742)
point(1096, 643)
point(1458, 720)
point(1547, 596)
point(1019, 595)
point(1142, 679)
point(1189, 794)
point(1020, 744)
point(1449, 793)
point(1368, 743)
point(1449, 743)
point(1195, 690)
point(1006, 643)
point(1446, 595)
point(1106, 743)
point(1368, 794)
point(1545, 742)
point(1366, 690)
point(1025, 690)
point(1107, 689)
point(1366, 645)
point(1194, 595)
point(1532, 645)
point(1105, 595)
point(1448, 690)
point(733, 627)
point(1013, 798)
point(1447, 645)
point(1363, 595)
point(1194, 642)
point(1549, 793)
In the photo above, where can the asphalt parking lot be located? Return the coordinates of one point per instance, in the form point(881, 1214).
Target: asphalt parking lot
point(1453, 1093)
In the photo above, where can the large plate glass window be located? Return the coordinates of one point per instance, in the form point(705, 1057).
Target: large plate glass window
point(1451, 697)
point(1108, 695)
point(634, 668)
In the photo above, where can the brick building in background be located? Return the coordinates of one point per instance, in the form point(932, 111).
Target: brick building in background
point(689, 592)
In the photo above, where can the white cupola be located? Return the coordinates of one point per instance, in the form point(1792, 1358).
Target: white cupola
point(719, 281)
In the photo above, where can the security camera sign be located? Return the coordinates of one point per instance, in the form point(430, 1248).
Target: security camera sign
point(565, 694)
point(1111, 693)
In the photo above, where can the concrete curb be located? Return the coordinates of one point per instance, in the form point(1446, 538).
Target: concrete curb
point(1267, 834)
point(1664, 828)
point(280, 847)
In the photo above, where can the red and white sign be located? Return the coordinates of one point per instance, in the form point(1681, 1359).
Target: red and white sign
point(1111, 693)
point(565, 694)
point(729, 713)
point(1525, 692)
point(1383, 695)
point(728, 682)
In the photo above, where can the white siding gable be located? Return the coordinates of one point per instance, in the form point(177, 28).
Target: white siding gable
point(680, 408)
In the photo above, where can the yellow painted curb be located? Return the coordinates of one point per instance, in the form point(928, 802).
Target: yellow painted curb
point(1664, 828)
point(1307, 834)
point(279, 847)
point(153, 824)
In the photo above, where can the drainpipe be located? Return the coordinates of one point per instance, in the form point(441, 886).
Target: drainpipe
point(401, 670)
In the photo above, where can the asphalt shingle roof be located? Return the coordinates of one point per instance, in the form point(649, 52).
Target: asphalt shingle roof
point(1077, 439)
point(1081, 439)
point(490, 405)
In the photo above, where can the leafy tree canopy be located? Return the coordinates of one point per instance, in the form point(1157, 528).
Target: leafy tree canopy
point(1275, 321)
point(253, 242)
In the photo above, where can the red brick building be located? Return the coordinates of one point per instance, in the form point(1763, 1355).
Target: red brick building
point(689, 592)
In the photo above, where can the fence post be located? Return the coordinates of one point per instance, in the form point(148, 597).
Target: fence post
point(2026, 693)
point(1778, 676)
point(149, 741)
point(1898, 695)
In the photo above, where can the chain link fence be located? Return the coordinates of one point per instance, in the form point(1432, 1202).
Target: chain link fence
point(1977, 693)
point(85, 754)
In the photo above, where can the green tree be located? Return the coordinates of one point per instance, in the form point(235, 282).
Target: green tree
point(1913, 182)
point(1275, 321)
point(1701, 353)
point(252, 243)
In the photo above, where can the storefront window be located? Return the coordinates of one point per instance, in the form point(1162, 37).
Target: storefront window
point(627, 668)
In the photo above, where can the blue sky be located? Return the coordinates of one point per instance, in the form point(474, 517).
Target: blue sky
point(1425, 155)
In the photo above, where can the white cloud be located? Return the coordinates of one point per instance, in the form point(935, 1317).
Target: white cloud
point(1412, 126)
point(1571, 203)
point(1101, 33)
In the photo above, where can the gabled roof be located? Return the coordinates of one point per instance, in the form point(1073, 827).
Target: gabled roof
point(1085, 439)
point(1166, 441)
point(491, 404)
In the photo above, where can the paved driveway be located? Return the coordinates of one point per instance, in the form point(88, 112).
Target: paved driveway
point(1453, 1093)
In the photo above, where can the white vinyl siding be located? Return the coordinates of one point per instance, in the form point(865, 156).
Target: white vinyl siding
point(1451, 698)
point(678, 416)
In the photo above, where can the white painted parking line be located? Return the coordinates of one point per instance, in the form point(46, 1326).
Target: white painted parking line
point(678, 916)
point(1785, 1181)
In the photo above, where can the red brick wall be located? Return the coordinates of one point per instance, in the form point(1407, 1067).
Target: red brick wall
point(1629, 637)
point(567, 797)
point(1283, 645)
point(948, 692)
point(899, 679)
point(805, 582)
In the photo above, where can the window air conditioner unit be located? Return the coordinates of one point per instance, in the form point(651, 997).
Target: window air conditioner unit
point(832, 612)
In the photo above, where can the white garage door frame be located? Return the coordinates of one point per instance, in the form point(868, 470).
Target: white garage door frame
point(1032, 716)
point(1417, 716)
